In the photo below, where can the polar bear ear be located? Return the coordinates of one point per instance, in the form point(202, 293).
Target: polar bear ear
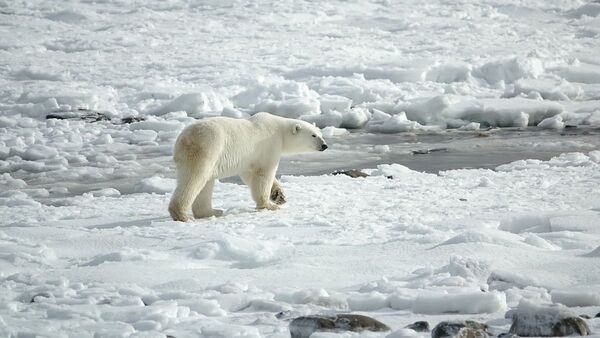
point(296, 129)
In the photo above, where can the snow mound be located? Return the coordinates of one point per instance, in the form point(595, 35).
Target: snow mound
point(394, 170)
point(285, 98)
point(246, 253)
point(194, 104)
point(509, 70)
point(555, 122)
point(394, 124)
point(127, 254)
point(156, 185)
point(563, 160)
point(490, 236)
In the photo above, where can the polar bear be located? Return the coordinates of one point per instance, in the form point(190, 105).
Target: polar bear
point(221, 147)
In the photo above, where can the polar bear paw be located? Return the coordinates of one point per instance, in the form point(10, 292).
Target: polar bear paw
point(210, 213)
point(277, 196)
point(269, 206)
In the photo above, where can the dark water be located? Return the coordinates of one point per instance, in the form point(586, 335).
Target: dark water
point(446, 150)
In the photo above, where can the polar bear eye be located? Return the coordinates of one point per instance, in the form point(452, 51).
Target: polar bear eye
point(314, 135)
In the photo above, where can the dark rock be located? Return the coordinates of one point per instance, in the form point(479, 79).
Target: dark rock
point(597, 315)
point(420, 326)
point(552, 320)
point(131, 119)
point(352, 173)
point(80, 114)
point(283, 314)
point(428, 151)
point(460, 329)
point(570, 326)
point(303, 327)
point(507, 335)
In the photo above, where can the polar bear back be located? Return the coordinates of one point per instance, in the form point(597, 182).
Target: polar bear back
point(232, 145)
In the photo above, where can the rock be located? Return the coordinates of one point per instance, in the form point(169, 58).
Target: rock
point(428, 151)
point(546, 320)
point(352, 173)
point(132, 119)
point(597, 315)
point(584, 316)
point(79, 114)
point(303, 327)
point(569, 326)
point(420, 326)
point(460, 329)
point(507, 335)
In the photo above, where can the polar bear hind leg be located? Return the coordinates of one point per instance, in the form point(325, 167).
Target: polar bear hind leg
point(202, 206)
point(261, 182)
point(193, 174)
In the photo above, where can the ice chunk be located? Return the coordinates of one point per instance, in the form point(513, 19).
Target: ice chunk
point(554, 122)
point(333, 132)
point(579, 296)
point(464, 302)
point(509, 70)
point(39, 152)
point(194, 103)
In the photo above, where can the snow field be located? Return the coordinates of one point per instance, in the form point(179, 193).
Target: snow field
point(135, 272)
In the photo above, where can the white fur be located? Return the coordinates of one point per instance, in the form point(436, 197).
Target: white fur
point(220, 147)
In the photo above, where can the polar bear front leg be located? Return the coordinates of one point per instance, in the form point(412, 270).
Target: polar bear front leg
point(202, 206)
point(261, 182)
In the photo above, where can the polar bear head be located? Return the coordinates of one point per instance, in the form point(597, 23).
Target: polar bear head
point(304, 137)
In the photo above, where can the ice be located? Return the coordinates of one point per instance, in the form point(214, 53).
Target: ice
point(368, 302)
point(94, 94)
point(333, 132)
point(474, 302)
point(395, 124)
point(591, 9)
point(157, 125)
point(509, 70)
point(577, 296)
point(39, 152)
point(194, 103)
point(582, 73)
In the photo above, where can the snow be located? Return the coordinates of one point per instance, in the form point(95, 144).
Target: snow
point(86, 245)
point(241, 269)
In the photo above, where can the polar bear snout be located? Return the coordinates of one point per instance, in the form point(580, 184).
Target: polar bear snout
point(323, 147)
